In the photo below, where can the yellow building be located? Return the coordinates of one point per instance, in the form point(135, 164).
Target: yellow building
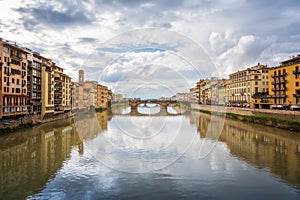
point(102, 96)
point(47, 87)
point(13, 77)
point(243, 85)
point(284, 89)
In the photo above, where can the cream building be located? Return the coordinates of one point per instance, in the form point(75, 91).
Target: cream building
point(243, 85)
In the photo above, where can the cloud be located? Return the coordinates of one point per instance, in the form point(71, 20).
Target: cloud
point(48, 16)
point(86, 34)
point(246, 53)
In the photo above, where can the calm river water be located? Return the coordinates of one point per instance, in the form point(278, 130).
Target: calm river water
point(129, 155)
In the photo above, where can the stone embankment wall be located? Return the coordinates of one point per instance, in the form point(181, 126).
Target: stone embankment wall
point(32, 119)
point(283, 114)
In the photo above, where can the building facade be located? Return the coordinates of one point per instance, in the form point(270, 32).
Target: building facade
point(243, 85)
point(47, 87)
point(285, 84)
point(62, 90)
point(90, 94)
point(14, 80)
point(34, 83)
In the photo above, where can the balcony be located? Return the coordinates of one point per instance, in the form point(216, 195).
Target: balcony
point(296, 95)
point(279, 82)
point(279, 89)
point(296, 71)
point(282, 81)
point(16, 57)
point(264, 101)
point(279, 75)
point(279, 96)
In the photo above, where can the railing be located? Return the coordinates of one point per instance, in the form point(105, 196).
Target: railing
point(296, 95)
point(296, 72)
point(15, 56)
point(278, 89)
point(278, 82)
point(279, 75)
point(279, 96)
point(264, 101)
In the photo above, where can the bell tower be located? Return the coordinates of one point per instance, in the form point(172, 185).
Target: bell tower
point(81, 76)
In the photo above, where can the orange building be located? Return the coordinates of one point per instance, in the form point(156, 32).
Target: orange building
point(14, 79)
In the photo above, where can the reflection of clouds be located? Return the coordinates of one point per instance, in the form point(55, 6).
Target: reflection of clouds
point(142, 154)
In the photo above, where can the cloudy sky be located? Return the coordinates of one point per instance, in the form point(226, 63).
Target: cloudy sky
point(157, 47)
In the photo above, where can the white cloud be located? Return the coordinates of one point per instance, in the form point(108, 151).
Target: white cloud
point(234, 34)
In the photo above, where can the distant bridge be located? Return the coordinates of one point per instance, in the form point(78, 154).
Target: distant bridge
point(134, 104)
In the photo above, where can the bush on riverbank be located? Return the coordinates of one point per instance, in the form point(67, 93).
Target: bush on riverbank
point(100, 109)
point(266, 120)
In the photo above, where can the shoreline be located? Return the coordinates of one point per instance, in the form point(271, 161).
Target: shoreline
point(33, 121)
point(277, 122)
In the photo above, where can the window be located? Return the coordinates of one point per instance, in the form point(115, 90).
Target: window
point(256, 83)
point(13, 90)
point(256, 89)
point(297, 84)
point(5, 49)
point(13, 80)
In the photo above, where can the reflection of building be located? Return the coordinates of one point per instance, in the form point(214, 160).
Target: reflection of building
point(257, 145)
point(14, 80)
point(30, 157)
point(245, 84)
point(284, 87)
point(90, 124)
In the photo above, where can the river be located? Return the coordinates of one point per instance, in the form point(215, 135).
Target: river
point(150, 155)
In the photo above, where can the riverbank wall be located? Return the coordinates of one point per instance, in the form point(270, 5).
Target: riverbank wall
point(29, 121)
point(285, 119)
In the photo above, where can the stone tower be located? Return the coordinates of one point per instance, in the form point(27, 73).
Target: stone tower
point(81, 76)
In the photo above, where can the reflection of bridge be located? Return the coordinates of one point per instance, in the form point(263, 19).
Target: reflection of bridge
point(134, 104)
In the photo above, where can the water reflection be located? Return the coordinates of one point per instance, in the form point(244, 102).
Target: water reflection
point(263, 147)
point(65, 159)
point(31, 157)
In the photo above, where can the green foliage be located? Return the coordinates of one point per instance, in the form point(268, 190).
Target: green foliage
point(100, 109)
point(266, 120)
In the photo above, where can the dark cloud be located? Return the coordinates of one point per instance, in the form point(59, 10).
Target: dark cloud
point(49, 17)
point(87, 40)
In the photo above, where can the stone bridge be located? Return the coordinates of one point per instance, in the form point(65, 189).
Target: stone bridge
point(163, 107)
point(162, 103)
point(134, 104)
